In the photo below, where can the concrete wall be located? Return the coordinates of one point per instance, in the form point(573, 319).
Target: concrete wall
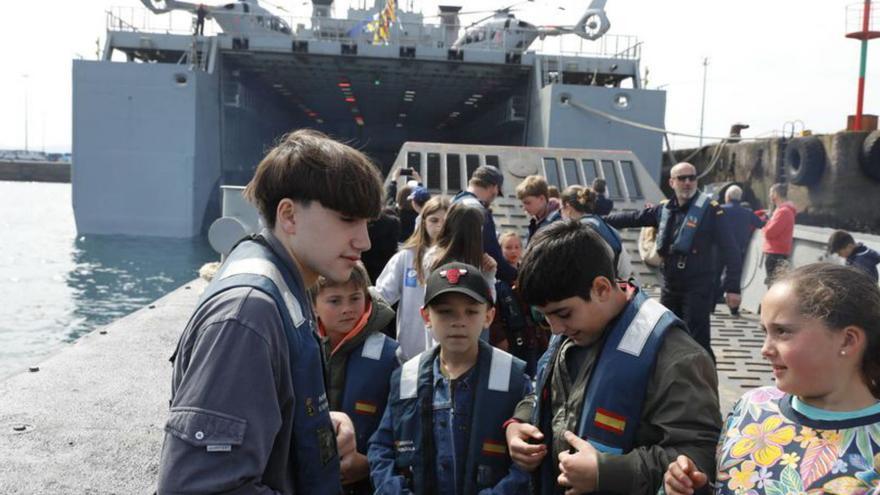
point(844, 197)
point(35, 171)
point(142, 124)
point(576, 128)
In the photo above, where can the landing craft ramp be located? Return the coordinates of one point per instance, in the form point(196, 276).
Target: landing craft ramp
point(445, 169)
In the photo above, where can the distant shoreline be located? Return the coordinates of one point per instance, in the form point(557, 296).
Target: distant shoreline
point(33, 171)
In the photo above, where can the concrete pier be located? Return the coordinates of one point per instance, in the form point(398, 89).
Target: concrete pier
point(35, 171)
point(91, 419)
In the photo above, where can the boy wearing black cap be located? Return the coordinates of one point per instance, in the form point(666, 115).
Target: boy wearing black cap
point(442, 430)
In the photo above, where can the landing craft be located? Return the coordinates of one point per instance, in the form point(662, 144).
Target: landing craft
point(242, 17)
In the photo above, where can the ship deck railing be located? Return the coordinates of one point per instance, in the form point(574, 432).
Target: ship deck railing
point(141, 20)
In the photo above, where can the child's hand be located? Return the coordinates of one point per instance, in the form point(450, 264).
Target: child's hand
point(344, 429)
point(489, 264)
point(526, 455)
point(578, 472)
point(682, 477)
point(353, 468)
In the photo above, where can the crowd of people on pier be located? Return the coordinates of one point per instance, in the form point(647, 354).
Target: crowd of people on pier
point(358, 345)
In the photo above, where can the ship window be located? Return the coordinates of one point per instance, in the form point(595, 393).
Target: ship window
point(569, 167)
point(414, 161)
point(453, 173)
point(471, 162)
point(434, 171)
point(551, 171)
point(612, 181)
point(629, 177)
point(590, 171)
point(493, 160)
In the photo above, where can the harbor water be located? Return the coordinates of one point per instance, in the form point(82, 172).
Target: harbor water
point(56, 286)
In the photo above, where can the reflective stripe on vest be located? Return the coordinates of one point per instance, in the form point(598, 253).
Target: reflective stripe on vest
point(499, 371)
point(409, 377)
point(265, 268)
point(373, 346)
point(684, 239)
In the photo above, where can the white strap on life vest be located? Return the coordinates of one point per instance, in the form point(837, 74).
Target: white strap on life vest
point(633, 341)
point(471, 201)
point(373, 346)
point(499, 371)
point(265, 268)
point(409, 378)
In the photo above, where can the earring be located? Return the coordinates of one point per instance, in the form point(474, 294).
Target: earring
point(843, 353)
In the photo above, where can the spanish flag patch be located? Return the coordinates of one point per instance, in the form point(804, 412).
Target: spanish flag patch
point(363, 407)
point(494, 448)
point(610, 421)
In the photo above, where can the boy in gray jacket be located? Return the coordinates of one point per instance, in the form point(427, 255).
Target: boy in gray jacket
point(249, 411)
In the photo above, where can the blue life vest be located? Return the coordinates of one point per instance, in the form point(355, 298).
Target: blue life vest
point(618, 382)
point(367, 380)
point(501, 382)
point(684, 239)
point(314, 459)
point(607, 232)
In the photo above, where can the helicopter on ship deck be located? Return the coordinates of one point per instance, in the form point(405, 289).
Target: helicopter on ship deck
point(502, 30)
point(243, 16)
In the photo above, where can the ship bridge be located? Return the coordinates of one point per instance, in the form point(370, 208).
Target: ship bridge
point(187, 113)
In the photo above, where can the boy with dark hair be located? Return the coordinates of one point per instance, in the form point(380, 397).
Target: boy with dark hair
point(856, 254)
point(622, 389)
point(603, 204)
point(249, 411)
point(534, 194)
point(351, 319)
point(442, 430)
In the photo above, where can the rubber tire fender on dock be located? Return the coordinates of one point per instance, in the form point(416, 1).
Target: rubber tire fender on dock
point(804, 161)
point(870, 159)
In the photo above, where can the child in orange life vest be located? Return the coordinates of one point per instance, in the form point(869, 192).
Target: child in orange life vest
point(818, 429)
point(361, 359)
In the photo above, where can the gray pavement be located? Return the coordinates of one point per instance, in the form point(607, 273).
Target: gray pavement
point(90, 421)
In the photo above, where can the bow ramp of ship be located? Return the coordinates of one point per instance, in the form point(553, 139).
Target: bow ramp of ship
point(91, 419)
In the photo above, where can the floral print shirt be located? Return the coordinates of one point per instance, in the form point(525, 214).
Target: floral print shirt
point(769, 447)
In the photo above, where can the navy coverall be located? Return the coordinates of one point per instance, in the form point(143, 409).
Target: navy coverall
point(688, 288)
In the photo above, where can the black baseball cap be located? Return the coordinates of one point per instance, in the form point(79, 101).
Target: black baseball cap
point(489, 174)
point(458, 277)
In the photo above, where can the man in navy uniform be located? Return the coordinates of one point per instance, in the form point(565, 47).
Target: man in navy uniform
point(690, 227)
point(483, 187)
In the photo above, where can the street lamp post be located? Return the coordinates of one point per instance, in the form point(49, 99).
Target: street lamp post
point(25, 77)
point(703, 105)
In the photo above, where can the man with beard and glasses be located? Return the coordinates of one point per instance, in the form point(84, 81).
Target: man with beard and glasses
point(691, 230)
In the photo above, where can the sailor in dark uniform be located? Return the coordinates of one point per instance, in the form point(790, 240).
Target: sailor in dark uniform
point(691, 226)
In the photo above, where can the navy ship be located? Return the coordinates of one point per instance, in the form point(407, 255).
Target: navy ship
point(170, 114)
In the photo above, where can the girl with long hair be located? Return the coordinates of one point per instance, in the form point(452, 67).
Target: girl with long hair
point(403, 281)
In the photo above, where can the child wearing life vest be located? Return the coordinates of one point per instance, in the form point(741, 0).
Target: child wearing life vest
point(442, 431)
point(622, 389)
point(351, 320)
point(818, 429)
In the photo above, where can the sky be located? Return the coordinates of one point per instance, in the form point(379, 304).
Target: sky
point(770, 61)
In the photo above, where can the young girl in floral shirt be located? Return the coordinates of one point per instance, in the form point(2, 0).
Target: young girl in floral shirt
point(818, 430)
